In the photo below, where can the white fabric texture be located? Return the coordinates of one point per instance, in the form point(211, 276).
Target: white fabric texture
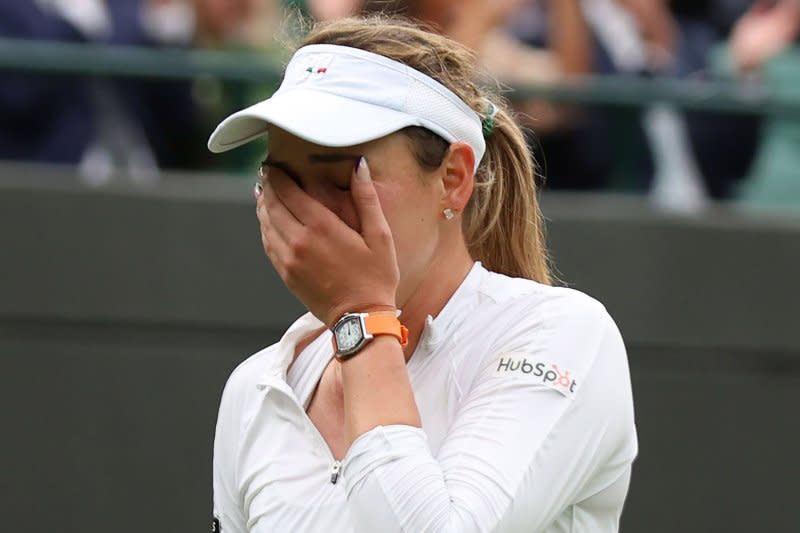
point(527, 425)
point(341, 96)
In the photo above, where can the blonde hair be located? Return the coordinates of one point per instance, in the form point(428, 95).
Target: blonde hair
point(503, 226)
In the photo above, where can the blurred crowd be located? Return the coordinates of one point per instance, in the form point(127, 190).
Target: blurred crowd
point(116, 127)
point(135, 128)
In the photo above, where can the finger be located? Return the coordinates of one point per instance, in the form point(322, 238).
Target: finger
point(270, 234)
point(368, 206)
point(274, 245)
point(279, 216)
point(295, 245)
point(301, 205)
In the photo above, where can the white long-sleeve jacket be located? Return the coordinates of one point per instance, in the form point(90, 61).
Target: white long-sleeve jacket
point(527, 425)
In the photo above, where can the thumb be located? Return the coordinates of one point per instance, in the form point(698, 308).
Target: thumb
point(366, 201)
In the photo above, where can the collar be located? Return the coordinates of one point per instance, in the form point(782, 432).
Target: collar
point(283, 352)
point(463, 301)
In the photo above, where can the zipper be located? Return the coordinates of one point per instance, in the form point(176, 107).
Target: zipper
point(336, 466)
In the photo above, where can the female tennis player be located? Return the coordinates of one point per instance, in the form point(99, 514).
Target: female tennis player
point(439, 383)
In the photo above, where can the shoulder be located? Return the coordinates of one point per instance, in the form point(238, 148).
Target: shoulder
point(247, 373)
point(528, 304)
point(545, 337)
point(555, 326)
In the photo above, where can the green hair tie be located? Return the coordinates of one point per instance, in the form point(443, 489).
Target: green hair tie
point(488, 119)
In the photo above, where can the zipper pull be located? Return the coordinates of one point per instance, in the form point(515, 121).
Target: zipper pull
point(335, 467)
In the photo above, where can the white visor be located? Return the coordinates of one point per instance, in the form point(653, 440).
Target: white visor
point(340, 96)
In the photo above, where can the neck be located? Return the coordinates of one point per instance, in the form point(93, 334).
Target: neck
point(444, 275)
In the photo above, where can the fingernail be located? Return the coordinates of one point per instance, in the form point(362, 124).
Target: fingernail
point(257, 189)
point(362, 169)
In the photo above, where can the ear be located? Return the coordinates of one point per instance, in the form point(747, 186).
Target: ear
point(458, 177)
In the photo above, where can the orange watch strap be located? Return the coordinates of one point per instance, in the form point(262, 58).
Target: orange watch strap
point(386, 323)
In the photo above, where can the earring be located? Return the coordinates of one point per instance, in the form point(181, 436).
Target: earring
point(448, 213)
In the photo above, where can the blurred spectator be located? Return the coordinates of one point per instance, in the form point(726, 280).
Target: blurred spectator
point(219, 21)
point(480, 25)
point(45, 118)
point(760, 48)
point(589, 147)
point(679, 37)
point(333, 9)
point(767, 29)
point(322, 10)
point(103, 124)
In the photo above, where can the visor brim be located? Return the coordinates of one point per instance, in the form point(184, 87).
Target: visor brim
point(315, 116)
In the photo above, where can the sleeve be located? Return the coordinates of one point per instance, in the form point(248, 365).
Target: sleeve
point(518, 453)
point(228, 514)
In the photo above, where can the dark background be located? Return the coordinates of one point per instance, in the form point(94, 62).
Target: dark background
point(123, 310)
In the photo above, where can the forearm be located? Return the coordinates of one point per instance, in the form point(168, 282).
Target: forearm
point(655, 21)
point(471, 32)
point(393, 483)
point(377, 391)
point(569, 37)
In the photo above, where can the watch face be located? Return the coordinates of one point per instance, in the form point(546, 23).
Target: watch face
point(349, 334)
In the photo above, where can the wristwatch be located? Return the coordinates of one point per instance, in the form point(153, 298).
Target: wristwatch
point(355, 330)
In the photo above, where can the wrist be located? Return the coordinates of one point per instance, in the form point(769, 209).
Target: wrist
point(353, 331)
point(362, 308)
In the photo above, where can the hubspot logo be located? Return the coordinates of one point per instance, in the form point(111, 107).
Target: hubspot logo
point(549, 374)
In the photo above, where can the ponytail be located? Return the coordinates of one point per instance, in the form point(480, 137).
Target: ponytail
point(503, 225)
